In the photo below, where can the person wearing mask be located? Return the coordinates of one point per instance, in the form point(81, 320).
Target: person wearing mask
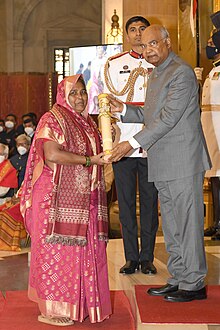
point(30, 127)
point(2, 131)
point(10, 132)
point(126, 76)
point(20, 128)
point(19, 161)
point(177, 157)
point(12, 230)
point(8, 175)
point(211, 121)
point(64, 180)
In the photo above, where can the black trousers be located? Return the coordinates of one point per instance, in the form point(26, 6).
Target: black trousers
point(215, 186)
point(128, 172)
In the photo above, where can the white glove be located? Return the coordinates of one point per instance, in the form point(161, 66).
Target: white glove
point(198, 72)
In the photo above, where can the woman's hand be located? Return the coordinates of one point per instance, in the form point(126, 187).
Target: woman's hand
point(99, 159)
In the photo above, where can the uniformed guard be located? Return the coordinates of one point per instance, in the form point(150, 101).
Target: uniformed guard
point(126, 76)
point(211, 121)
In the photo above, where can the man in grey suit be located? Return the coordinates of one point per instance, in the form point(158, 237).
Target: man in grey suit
point(178, 158)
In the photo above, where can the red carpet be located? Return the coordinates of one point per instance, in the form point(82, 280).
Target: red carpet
point(155, 310)
point(2, 302)
point(21, 314)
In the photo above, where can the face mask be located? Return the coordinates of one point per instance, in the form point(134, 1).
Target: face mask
point(29, 131)
point(1, 129)
point(211, 52)
point(21, 150)
point(9, 124)
point(2, 158)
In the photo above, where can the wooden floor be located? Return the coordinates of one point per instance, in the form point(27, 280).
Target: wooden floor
point(14, 275)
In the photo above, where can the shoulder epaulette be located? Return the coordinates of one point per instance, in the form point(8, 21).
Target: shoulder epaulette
point(117, 56)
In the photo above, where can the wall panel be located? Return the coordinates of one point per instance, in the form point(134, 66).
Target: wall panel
point(157, 12)
point(21, 93)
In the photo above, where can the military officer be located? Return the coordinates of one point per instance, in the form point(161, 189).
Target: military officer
point(126, 76)
point(211, 121)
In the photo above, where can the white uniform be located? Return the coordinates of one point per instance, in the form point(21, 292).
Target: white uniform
point(120, 67)
point(131, 71)
point(211, 118)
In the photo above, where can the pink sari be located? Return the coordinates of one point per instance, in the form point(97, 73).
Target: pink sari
point(65, 280)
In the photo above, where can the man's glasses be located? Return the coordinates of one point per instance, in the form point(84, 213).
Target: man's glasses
point(152, 44)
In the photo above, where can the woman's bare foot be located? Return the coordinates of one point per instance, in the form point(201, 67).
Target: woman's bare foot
point(58, 321)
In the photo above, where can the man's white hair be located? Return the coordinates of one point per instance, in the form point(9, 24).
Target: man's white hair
point(23, 136)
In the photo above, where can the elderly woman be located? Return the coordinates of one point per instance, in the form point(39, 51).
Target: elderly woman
point(64, 207)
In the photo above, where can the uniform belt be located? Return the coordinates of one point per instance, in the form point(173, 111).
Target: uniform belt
point(139, 104)
point(210, 107)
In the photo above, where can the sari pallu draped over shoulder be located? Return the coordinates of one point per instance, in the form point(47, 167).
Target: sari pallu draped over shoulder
point(70, 198)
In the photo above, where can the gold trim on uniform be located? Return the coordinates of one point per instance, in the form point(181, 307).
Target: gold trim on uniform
point(129, 86)
point(210, 107)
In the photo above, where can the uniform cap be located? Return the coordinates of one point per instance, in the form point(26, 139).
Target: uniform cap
point(216, 39)
point(215, 17)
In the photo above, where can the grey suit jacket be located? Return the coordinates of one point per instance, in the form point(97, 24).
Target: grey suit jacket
point(173, 133)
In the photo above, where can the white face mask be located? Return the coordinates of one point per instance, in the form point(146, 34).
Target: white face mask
point(2, 158)
point(1, 129)
point(29, 131)
point(21, 150)
point(9, 124)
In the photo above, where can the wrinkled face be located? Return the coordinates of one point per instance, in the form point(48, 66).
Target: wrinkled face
point(78, 97)
point(155, 48)
point(135, 31)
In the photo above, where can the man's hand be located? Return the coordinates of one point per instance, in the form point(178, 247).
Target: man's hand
point(120, 151)
point(99, 159)
point(115, 104)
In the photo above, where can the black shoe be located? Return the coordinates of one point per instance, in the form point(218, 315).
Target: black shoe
point(210, 231)
point(147, 267)
point(130, 267)
point(163, 290)
point(185, 296)
point(216, 236)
